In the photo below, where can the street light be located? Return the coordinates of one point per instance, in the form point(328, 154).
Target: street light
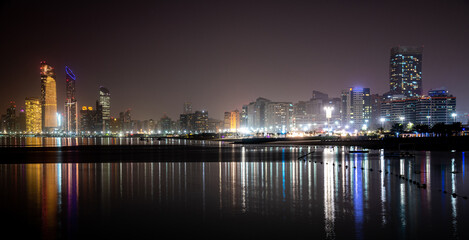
point(402, 119)
point(454, 117)
point(382, 120)
point(328, 112)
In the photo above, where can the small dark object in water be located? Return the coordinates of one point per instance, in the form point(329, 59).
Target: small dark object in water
point(464, 197)
point(454, 195)
point(454, 172)
point(371, 169)
point(445, 192)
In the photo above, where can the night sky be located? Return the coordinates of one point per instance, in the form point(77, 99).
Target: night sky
point(153, 56)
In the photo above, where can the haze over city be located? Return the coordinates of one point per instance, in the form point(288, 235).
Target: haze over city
point(219, 55)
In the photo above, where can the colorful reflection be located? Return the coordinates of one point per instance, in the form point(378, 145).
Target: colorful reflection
point(331, 191)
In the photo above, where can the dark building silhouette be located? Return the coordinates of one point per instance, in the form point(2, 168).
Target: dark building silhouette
point(71, 111)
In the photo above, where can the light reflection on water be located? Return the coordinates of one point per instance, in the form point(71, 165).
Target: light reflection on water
point(329, 194)
point(93, 141)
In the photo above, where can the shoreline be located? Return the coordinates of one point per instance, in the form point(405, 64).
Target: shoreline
point(459, 143)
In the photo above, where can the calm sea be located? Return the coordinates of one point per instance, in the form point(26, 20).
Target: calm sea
point(124, 188)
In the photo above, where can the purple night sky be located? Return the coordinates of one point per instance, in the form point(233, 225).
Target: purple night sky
point(153, 56)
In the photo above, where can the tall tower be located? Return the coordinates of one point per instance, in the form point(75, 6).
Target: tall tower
point(405, 71)
point(71, 123)
point(105, 103)
point(48, 98)
point(33, 115)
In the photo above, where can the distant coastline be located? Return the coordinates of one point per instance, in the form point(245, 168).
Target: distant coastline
point(459, 143)
point(391, 143)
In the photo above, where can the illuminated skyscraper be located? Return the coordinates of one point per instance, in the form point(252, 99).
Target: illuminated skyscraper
point(105, 102)
point(232, 121)
point(356, 107)
point(256, 113)
point(33, 115)
point(71, 123)
point(278, 116)
point(48, 98)
point(405, 71)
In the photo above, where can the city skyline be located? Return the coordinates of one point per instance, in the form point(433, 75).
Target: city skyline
point(221, 56)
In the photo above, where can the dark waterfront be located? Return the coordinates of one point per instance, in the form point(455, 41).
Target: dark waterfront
point(127, 188)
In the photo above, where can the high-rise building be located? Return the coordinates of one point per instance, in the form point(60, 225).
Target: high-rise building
point(200, 121)
point(194, 122)
point(71, 111)
point(33, 115)
point(278, 117)
point(243, 115)
point(105, 102)
point(256, 114)
point(165, 125)
point(438, 107)
point(405, 71)
point(232, 121)
point(8, 121)
point(114, 125)
point(301, 116)
point(48, 98)
point(21, 121)
point(88, 120)
point(226, 121)
point(356, 107)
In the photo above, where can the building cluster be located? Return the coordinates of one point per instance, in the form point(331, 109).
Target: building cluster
point(40, 115)
point(355, 109)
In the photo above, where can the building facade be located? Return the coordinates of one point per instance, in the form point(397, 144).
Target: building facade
point(71, 110)
point(279, 117)
point(33, 110)
point(48, 98)
point(356, 107)
point(438, 107)
point(405, 71)
point(105, 103)
point(256, 114)
point(232, 121)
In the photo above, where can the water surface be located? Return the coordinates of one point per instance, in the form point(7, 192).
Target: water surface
point(218, 190)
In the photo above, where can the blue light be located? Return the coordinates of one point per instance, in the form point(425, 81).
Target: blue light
point(70, 73)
